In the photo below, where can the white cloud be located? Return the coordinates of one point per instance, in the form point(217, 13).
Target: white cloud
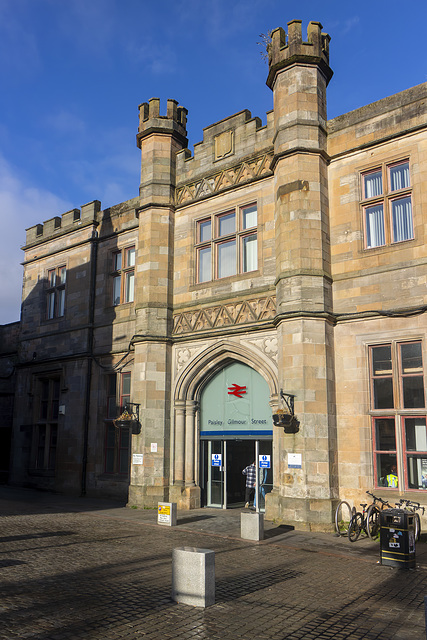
point(21, 206)
point(156, 57)
point(350, 24)
point(65, 122)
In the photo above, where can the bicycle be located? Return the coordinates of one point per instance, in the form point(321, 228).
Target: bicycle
point(413, 507)
point(344, 514)
point(362, 522)
point(373, 514)
point(368, 520)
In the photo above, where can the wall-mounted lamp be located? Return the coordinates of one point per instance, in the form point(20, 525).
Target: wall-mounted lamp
point(286, 417)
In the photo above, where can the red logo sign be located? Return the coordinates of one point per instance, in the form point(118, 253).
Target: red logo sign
point(236, 390)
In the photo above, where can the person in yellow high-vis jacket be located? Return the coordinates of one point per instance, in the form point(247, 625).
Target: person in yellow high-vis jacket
point(392, 479)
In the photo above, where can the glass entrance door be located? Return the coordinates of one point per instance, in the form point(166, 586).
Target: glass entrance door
point(215, 473)
point(265, 470)
point(222, 481)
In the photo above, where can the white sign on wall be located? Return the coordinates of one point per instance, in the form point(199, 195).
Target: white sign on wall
point(294, 460)
point(153, 447)
point(138, 458)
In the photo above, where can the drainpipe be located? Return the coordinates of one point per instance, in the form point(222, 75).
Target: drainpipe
point(93, 262)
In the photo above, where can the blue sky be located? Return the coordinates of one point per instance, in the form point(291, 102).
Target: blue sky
point(73, 73)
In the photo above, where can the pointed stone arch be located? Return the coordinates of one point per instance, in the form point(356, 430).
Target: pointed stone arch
point(207, 363)
point(187, 392)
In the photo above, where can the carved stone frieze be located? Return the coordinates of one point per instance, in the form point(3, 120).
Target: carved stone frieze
point(242, 173)
point(246, 312)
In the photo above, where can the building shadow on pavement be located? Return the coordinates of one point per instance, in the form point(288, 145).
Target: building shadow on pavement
point(190, 520)
point(243, 585)
point(32, 536)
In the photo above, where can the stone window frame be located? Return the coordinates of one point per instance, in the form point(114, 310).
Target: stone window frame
point(398, 428)
point(385, 200)
point(212, 243)
point(123, 275)
point(55, 292)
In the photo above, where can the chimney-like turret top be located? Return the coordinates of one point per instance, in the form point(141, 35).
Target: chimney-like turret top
point(283, 52)
point(150, 120)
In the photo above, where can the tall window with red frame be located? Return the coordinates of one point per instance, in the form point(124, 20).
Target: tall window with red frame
point(399, 415)
point(117, 439)
point(123, 276)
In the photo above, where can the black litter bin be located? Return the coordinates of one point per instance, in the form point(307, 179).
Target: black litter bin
point(397, 538)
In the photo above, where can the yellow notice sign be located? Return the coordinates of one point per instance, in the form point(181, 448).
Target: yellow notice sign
point(164, 514)
point(165, 509)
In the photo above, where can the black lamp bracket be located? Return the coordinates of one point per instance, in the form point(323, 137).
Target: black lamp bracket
point(288, 400)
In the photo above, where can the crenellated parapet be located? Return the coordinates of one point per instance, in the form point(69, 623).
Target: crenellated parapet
point(68, 221)
point(284, 51)
point(234, 151)
point(150, 120)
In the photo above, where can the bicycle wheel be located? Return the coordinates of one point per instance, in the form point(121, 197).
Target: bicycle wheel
point(417, 522)
point(355, 527)
point(342, 518)
point(373, 521)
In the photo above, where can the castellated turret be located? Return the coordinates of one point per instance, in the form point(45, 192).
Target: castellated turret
point(283, 52)
point(150, 120)
point(160, 138)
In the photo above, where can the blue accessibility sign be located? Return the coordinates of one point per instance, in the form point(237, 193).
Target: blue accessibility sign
point(216, 459)
point(264, 462)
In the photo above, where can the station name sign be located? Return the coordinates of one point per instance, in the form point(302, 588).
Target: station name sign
point(219, 423)
point(236, 402)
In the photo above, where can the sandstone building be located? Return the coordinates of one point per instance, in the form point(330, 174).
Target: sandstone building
point(278, 263)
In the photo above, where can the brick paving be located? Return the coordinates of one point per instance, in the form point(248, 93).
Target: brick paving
point(74, 569)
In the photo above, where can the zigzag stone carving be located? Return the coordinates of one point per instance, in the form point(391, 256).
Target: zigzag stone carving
point(246, 312)
point(242, 173)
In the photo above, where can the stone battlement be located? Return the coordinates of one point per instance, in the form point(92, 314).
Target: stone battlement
point(226, 144)
point(150, 120)
point(283, 52)
point(67, 222)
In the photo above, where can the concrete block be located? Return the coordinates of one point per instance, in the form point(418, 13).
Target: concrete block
point(252, 526)
point(167, 514)
point(193, 576)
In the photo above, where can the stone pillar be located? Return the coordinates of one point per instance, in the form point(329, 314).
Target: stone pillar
point(189, 443)
point(179, 449)
point(299, 73)
point(159, 138)
point(185, 490)
point(193, 576)
point(252, 526)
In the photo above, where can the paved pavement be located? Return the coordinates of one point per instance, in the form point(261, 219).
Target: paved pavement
point(92, 569)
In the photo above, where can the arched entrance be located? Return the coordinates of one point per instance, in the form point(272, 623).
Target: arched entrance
point(188, 486)
point(235, 428)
